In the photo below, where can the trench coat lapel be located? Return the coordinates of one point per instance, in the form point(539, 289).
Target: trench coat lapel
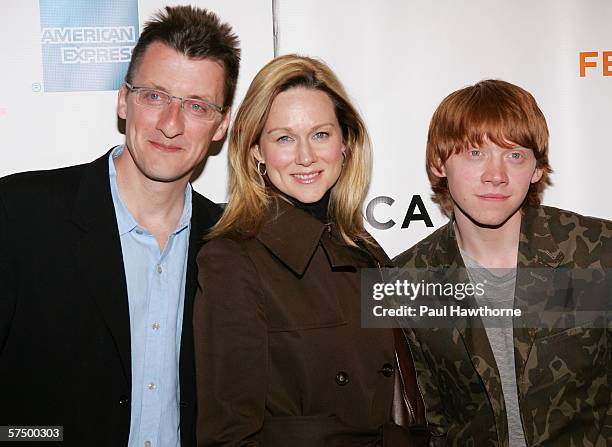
point(99, 257)
point(291, 234)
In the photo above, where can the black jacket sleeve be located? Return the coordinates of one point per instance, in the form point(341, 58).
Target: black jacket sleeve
point(8, 294)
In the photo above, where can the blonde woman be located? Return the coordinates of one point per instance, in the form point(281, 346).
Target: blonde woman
point(282, 359)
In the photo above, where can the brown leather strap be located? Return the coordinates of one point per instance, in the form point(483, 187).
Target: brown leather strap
point(408, 407)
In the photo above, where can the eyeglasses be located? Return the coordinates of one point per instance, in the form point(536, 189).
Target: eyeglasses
point(196, 108)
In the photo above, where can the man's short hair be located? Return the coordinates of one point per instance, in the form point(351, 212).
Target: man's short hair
point(493, 110)
point(198, 34)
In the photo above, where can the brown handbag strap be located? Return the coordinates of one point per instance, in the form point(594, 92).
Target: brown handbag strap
point(408, 406)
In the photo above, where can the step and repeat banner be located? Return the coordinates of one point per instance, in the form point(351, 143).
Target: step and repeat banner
point(63, 61)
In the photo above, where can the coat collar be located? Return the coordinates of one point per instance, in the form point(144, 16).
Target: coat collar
point(537, 245)
point(292, 235)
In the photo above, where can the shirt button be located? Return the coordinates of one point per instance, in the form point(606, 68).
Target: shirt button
point(159, 268)
point(139, 231)
point(155, 326)
point(148, 444)
point(151, 386)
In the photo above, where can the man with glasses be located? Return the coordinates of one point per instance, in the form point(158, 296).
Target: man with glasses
point(97, 265)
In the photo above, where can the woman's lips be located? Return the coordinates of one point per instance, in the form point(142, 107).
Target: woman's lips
point(306, 178)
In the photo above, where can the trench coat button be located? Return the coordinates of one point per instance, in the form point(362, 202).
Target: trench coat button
point(342, 378)
point(124, 401)
point(387, 370)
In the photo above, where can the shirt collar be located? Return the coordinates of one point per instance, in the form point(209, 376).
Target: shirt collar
point(125, 220)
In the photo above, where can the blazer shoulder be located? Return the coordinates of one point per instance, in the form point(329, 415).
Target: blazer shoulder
point(207, 211)
point(420, 254)
point(48, 190)
point(205, 203)
point(575, 223)
point(585, 240)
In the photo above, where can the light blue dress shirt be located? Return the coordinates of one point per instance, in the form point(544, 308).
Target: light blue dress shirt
point(156, 295)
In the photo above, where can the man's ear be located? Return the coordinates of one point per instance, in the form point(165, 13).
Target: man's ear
point(537, 175)
point(439, 171)
point(122, 102)
point(223, 125)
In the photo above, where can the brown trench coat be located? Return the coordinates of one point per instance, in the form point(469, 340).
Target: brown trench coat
point(281, 358)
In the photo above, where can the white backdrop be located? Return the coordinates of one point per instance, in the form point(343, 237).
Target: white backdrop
point(397, 58)
point(400, 58)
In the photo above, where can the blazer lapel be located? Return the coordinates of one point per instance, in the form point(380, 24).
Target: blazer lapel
point(449, 264)
point(99, 256)
point(536, 280)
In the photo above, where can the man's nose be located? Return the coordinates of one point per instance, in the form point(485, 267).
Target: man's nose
point(495, 172)
point(171, 120)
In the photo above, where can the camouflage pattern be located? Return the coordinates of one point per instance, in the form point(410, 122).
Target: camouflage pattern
point(564, 374)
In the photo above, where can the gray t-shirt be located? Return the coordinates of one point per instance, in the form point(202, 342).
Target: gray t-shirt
point(499, 293)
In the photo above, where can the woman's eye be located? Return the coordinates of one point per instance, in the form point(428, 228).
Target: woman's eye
point(284, 139)
point(320, 135)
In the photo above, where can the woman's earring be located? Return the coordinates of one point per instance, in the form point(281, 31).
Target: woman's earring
point(259, 165)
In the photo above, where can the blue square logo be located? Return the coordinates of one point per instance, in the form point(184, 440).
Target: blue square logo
point(87, 45)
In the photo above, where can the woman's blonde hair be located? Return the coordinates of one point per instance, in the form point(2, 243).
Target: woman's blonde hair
point(248, 195)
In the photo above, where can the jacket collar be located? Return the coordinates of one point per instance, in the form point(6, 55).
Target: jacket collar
point(98, 255)
point(537, 245)
point(293, 235)
point(94, 201)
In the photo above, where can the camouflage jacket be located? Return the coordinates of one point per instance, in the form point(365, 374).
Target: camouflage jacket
point(564, 374)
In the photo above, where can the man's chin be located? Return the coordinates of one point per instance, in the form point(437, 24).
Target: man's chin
point(491, 221)
point(163, 177)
